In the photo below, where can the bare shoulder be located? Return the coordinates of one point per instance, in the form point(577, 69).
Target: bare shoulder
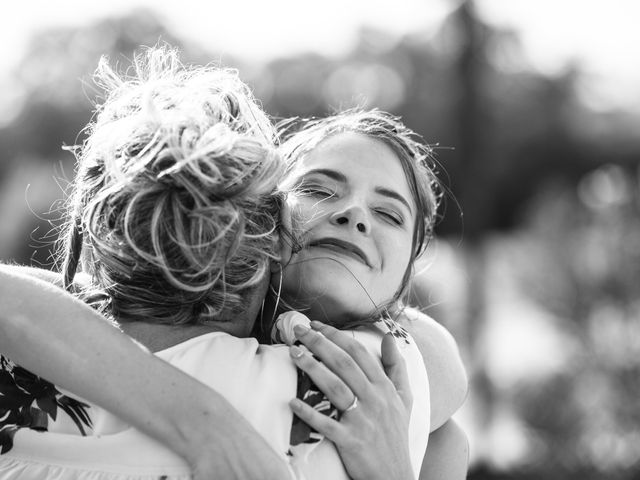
point(425, 330)
point(49, 276)
point(447, 375)
point(33, 272)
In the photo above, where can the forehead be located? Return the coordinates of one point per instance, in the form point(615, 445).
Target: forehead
point(360, 158)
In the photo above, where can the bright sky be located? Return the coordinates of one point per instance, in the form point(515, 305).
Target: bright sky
point(602, 35)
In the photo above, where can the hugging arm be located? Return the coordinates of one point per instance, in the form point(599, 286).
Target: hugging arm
point(447, 377)
point(384, 405)
point(447, 456)
point(384, 402)
point(448, 452)
point(56, 336)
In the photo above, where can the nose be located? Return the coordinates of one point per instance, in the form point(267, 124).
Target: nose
point(353, 216)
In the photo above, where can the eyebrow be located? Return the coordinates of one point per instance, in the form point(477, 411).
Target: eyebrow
point(339, 177)
point(393, 194)
point(332, 174)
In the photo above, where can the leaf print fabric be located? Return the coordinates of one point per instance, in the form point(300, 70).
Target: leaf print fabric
point(28, 401)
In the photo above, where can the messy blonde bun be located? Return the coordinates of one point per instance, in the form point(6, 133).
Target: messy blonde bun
point(173, 211)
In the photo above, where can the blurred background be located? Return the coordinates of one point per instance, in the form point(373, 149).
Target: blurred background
point(534, 109)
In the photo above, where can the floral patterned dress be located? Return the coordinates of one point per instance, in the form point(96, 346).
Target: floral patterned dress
point(29, 401)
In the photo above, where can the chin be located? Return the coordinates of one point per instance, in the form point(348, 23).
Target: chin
point(327, 305)
point(318, 288)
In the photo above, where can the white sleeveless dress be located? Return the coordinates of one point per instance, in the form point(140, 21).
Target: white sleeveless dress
point(258, 380)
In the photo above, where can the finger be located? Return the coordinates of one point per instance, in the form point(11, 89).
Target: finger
point(323, 424)
point(396, 369)
point(337, 360)
point(366, 362)
point(333, 387)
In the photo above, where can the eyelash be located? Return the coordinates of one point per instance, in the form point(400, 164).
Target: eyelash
point(321, 191)
point(392, 217)
point(314, 190)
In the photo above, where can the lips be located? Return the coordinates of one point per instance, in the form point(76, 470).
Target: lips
point(341, 246)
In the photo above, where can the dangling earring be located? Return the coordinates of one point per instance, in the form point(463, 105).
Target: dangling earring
point(262, 314)
point(277, 303)
point(275, 309)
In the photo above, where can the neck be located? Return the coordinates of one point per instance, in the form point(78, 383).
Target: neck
point(159, 337)
point(316, 310)
point(274, 307)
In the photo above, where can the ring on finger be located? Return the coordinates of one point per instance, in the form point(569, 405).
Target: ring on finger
point(353, 405)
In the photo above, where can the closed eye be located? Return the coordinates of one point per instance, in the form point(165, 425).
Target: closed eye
point(391, 216)
point(315, 191)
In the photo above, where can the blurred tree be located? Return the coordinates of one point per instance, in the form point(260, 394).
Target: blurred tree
point(578, 259)
point(55, 75)
point(504, 134)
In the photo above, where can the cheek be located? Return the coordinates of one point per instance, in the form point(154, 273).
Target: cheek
point(296, 224)
point(397, 258)
point(296, 219)
point(304, 214)
point(286, 230)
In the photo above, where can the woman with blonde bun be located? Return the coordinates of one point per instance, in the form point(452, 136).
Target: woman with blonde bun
point(173, 220)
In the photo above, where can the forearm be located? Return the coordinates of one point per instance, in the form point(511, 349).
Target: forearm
point(63, 340)
point(447, 456)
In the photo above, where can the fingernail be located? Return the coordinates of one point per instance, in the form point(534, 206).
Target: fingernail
point(295, 351)
point(296, 404)
point(316, 324)
point(300, 330)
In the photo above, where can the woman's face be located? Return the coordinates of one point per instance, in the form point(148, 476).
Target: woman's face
point(351, 206)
